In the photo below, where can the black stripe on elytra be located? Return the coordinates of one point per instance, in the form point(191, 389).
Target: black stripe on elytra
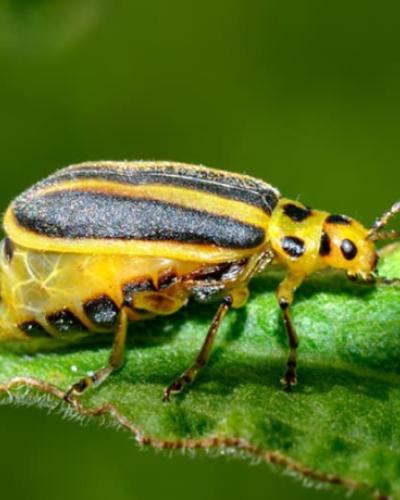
point(325, 245)
point(33, 329)
point(97, 215)
point(102, 311)
point(293, 246)
point(249, 190)
point(133, 287)
point(8, 249)
point(338, 219)
point(296, 213)
point(65, 321)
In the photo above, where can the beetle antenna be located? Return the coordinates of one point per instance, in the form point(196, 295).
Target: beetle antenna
point(384, 235)
point(375, 234)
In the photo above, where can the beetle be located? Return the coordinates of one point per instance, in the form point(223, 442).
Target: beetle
point(99, 244)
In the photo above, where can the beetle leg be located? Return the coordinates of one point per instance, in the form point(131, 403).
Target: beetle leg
point(285, 294)
point(381, 280)
point(115, 361)
point(375, 280)
point(190, 374)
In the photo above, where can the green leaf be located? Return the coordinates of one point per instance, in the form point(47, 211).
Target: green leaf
point(339, 426)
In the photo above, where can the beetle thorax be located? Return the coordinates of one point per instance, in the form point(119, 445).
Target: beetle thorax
point(295, 236)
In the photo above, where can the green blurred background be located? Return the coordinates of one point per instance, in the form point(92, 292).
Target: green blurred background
point(303, 94)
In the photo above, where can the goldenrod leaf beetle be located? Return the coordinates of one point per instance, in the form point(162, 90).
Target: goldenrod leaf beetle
point(99, 244)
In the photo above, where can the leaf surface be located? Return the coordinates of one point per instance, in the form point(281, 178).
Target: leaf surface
point(340, 425)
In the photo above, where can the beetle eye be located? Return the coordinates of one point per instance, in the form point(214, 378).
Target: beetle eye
point(349, 250)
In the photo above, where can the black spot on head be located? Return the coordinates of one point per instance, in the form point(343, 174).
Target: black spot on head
point(325, 245)
point(8, 249)
point(102, 311)
point(338, 219)
point(349, 249)
point(65, 321)
point(296, 213)
point(133, 287)
point(33, 329)
point(293, 246)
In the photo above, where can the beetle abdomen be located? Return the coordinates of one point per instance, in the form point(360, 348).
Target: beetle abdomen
point(161, 209)
point(51, 294)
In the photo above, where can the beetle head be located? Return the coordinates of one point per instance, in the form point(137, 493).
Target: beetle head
point(345, 244)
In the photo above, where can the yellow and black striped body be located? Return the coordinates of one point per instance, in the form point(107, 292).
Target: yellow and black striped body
point(98, 244)
point(147, 236)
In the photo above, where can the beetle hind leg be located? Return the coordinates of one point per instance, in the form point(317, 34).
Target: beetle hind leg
point(115, 361)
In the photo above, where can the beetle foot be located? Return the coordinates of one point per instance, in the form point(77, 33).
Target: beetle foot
point(289, 380)
point(174, 388)
point(78, 388)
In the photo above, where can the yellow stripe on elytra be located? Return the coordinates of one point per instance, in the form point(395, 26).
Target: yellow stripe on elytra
point(185, 197)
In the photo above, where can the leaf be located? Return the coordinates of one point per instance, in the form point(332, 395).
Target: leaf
point(339, 426)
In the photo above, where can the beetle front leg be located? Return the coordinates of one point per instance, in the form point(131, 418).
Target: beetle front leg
point(285, 294)
point(115, 361)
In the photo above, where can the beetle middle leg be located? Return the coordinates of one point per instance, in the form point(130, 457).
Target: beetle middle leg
point(236, 299)
point(285, 294)
point(115, 361)
point(189, 375)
